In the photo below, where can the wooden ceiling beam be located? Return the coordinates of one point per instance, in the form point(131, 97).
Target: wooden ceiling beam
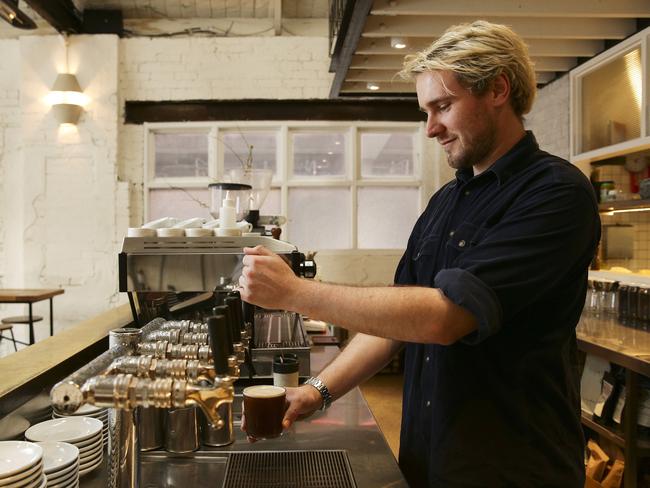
point(553, 28)
point(574, 48)
point(630, 9)
point(60, 14)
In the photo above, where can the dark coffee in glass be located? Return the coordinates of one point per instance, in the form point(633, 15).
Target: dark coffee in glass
point(264, 410)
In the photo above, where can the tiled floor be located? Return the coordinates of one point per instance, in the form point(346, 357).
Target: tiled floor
point(384, 396)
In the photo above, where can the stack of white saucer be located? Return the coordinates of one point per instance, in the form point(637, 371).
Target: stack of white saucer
point(38, 409)
point(83, 432)
point(21, 465)
point(60, 464)
point(87, 410)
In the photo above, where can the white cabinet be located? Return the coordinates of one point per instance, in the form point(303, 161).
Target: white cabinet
point(609, 102)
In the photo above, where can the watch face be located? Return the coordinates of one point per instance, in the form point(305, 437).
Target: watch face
point(636, 163)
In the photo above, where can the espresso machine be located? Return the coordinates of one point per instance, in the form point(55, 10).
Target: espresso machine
point(193, 339)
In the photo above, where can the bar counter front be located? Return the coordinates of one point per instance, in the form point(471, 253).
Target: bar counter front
point(340, 447)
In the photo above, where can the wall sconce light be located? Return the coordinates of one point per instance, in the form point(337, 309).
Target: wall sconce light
point(372, 86)
point(398, 42)
point(10, 12)
point(65, 97)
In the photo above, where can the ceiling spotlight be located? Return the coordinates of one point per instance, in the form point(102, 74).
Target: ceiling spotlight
point(10, 12)
point(398, 42)
point(372, 86)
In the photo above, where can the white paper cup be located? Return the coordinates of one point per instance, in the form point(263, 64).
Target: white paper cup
point(170, 232)
point(199, 232)
point(227, 232)
point(140, 232)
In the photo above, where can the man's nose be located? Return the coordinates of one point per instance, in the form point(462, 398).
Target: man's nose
point(434, 128)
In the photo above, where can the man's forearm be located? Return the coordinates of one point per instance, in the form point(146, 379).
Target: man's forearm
point(412, 314)
point(363, 357)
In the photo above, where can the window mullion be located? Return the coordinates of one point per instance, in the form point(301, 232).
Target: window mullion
point(353, 157)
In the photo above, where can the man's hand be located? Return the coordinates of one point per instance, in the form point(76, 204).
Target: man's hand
point(267, 280)
point(300, 403)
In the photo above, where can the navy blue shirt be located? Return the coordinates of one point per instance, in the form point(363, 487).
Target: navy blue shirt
point(501, 407)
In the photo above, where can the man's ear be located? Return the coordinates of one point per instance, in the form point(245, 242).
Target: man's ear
point(500, 90)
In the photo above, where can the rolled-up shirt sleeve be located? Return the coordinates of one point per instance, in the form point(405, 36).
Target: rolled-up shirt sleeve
point(469, 292)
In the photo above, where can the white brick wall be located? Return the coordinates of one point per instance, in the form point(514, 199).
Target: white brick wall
point(549, 119)
point(9, 122)
point(224, 68)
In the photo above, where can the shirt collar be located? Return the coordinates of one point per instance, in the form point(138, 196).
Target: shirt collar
point(508, 164)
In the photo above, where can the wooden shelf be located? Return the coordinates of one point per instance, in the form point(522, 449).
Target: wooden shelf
point(643, 446)
point(624, 205)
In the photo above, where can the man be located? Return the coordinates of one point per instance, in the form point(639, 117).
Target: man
point(492, 286)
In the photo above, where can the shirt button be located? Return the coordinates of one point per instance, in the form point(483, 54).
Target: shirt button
point(461, 243)
point(426, 359)
point(467, 192)
point(428, 403)
point(451, 234)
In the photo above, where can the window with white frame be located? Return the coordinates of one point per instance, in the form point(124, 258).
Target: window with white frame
point(340, 185)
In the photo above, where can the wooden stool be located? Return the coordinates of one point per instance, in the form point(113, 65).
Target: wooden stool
point(10, 328)
point(21, 319)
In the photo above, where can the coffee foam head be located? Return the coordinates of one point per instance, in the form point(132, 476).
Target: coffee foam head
point(264, 391)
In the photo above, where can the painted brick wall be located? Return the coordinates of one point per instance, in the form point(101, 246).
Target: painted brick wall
point(64, 199)
point(9, 124)
point(549, 119)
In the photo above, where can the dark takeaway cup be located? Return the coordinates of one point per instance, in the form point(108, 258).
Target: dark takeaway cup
point(264, 410)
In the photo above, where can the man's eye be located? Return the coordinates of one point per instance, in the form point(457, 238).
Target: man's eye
point(443, 107)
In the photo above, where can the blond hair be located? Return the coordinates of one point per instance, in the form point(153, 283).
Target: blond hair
point(477, 53)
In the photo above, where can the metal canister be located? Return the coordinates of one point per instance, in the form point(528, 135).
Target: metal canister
point(211, 436)
point(151, 428)
point(181, 430)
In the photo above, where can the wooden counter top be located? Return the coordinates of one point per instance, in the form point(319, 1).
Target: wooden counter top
point(9, 295)
point(28, 363)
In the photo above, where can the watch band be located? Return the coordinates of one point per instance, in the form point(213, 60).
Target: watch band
point(322, 389)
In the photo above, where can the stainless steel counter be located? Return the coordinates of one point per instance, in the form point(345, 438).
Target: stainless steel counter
point(607, 337)
point(348, 425)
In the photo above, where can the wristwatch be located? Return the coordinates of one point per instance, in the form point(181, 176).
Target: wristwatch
point(322, 389)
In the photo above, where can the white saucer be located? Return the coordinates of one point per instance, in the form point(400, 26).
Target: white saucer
point(17, 457)
point(63, 474)
point(90, 468)
point(13, 426)
point(83, 464)
point(90, 453)
point(88, 443)
point(21, 477)
point(58, 455)
point(33, 480)
point(69, 429)
point(67, 480)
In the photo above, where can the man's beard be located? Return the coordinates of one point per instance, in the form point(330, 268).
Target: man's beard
point(474, 150)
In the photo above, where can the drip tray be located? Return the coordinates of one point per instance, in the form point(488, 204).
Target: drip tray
point(250, 469)
point(289, 469)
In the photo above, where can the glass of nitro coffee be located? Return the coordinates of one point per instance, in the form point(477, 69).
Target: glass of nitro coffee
point(264, 410)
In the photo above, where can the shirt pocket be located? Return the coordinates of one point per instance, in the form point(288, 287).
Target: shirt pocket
point(466, 236)
point(425, 259)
